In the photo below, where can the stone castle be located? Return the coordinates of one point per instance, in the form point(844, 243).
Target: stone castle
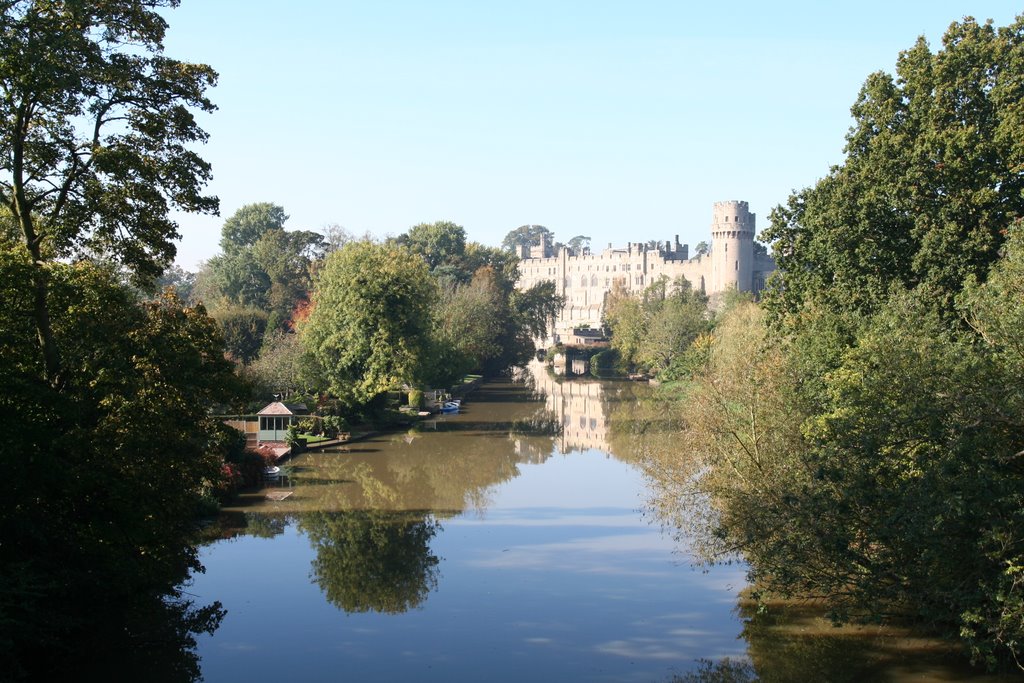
point(734, 261)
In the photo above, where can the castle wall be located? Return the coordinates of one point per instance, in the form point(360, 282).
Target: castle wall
point(586, 280)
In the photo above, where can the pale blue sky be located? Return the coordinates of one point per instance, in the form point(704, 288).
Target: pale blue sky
point(623, 121)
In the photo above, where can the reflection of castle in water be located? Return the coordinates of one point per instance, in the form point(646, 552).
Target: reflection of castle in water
point(579, 407)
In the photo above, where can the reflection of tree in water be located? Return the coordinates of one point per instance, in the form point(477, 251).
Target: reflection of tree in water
point(264, 526)
point(147, 636)
point(640, 422)
point(373, 561)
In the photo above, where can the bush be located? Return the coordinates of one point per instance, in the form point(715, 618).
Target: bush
point(416, 398)
point(292, 439)
point(553, 351)
point(603, 362)
point(332, 425)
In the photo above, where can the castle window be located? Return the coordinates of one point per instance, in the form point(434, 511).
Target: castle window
point(726, 219)
point(593, 281)
point(737, 266)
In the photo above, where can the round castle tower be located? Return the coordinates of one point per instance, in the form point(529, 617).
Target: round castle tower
point(732, 247)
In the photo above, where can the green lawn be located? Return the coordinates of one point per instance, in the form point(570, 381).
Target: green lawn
point(309, 438)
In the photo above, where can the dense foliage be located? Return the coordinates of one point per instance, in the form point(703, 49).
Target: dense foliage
point(931, 180)
point(103, 475)
point(95, 146)
point(109, 445)
point(860, 439)
point(654, 330)
point(262, 277)
point(422, 311)
point(370, 327)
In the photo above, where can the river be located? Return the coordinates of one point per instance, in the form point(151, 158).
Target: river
point(508, 542)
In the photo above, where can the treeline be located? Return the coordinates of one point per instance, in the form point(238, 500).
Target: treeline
point(309, 315)
point(859, 437)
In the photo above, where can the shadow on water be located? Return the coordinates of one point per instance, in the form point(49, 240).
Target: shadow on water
point(794, 642)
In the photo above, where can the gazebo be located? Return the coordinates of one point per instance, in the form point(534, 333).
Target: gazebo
point(275, 419)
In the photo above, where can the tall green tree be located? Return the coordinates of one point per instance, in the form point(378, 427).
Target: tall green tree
point(680, 317)
point(468, 326)
point(655, 329)
point(370, 327)
point(929, 185)
point(249, 223)
point(97, 142)
point(263, 270)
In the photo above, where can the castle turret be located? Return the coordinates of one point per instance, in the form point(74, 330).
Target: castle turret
point(732, 247)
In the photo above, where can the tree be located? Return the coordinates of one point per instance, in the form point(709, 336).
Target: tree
point(96, 146)
point(503, 264)
point(243, 329)
point(370, 326)
point(113, 463)
point(529, 235)
point(440, 244)
point(625, 317)
point(702, 249)
point(249, 223)
point(283, 366)
point(236, 279)
point(465, 336)
point(263, 269)
point(288, 259)
point(677, 321)
point(180, 280)
point(578, 243)
point(930, 183)
point(655, 329)
point(335, 237)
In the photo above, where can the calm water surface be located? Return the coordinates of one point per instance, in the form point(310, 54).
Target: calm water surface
point(506, 543)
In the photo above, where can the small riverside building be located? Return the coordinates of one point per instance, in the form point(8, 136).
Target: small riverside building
point(276, 417)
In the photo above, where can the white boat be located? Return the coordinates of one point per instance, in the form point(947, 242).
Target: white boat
point(272, 471)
